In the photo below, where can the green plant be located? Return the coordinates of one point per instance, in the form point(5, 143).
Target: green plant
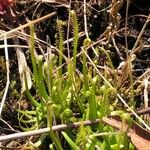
point(62, 93)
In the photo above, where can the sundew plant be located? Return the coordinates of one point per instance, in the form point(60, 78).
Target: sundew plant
point(68, 90)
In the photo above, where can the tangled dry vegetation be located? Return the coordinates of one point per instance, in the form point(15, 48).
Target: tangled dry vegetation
point(74, 75)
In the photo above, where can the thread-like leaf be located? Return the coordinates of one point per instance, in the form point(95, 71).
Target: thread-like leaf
point(75, 35)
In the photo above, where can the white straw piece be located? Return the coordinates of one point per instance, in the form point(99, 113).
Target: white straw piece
point(8, 80)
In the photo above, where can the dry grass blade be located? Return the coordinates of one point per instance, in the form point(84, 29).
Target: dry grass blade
point(26, 25)
point(62, 2)
point(8, 80)
point(146, 99)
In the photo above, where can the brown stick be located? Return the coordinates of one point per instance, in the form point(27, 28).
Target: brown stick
point(45, 130)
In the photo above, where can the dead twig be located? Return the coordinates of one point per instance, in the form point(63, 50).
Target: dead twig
point(45, 130)
point(141, 33)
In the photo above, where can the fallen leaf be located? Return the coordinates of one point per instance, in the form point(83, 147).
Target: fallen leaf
point(23, 68)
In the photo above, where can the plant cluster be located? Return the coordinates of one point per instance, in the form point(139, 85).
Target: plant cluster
point(73, 82)
point(67, 93)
